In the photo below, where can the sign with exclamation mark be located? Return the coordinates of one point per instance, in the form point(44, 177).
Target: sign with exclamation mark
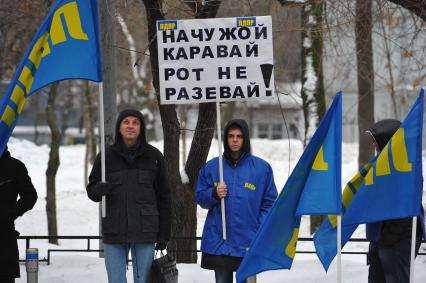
point(220, 59)
point(267, 73)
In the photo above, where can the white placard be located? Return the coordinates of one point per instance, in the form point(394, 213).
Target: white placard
point(225, 59)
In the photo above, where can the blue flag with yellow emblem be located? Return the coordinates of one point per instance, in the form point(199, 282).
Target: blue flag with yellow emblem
point(65, 47)
point(312, 188)
point(388, 187)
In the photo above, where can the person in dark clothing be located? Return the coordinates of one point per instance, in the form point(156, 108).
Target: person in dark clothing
point(249, 192)
point(14, 182)
point(138, 209)
point(390, 240)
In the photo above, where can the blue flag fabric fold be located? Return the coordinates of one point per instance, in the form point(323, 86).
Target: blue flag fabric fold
point(325, 238)
point(388, 187)
point(322, 188)
point(312, 188)
point(65, 47)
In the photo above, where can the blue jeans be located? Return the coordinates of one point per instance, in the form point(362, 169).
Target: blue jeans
point(116, 261)
point(224, 276)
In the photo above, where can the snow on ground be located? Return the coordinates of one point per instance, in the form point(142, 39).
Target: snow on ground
point(77, 215)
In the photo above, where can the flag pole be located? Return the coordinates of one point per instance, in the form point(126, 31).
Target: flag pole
point(102, 136)
point(219, 146)
point(339, 248)
point(413, 248)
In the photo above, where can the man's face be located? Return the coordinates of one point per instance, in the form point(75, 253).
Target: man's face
point(130, 128)
point(235, 139)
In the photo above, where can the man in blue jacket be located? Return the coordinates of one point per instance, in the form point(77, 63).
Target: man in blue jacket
point(390, 240)
point(249, 192)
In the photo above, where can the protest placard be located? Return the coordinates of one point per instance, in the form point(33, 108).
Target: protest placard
point(208, 60)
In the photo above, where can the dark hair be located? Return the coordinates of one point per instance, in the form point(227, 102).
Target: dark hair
point(233, 127)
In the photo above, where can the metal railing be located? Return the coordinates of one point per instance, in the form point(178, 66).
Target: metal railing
point(88, 248)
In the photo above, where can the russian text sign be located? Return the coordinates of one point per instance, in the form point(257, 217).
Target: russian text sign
point(205, 60)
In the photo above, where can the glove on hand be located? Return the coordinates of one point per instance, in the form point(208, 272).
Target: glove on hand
point(161, 245)
point(104, 188)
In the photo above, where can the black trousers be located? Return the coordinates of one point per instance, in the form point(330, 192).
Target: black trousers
point(9, 257)
point(389, 264)
point(7, 280)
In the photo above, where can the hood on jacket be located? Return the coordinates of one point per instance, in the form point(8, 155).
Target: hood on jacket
point(242, 125)
point(126, 113)
point(383, 131)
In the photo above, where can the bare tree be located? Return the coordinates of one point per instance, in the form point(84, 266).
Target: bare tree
point(313, 94)
point(183, 206)
point(391, 85)
point(312, 77)
point(312, 74)
point(53, 165)
point(89, 118)
point(19, 21)
point(108, 35)
point(365, 74)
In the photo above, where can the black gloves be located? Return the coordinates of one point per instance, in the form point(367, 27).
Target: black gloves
point(161, 245)
point(104, 188)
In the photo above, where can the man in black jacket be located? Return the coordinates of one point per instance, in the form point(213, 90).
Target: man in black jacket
point(14, 181)
point(390, 240)
point(138, 210)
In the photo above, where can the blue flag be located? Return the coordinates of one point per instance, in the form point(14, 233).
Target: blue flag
point(65, 47)
point(388, 187)
point(312, 188)
point(325, 238)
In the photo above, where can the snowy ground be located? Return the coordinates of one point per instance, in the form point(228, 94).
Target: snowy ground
point(77, 215)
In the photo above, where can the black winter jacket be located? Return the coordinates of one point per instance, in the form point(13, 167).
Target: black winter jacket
point(390, 232)
point(138, 207)
point(14, 182)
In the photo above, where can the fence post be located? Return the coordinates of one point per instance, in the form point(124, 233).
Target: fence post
point(32, 265)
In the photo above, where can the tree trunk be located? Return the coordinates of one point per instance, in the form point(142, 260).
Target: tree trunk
point(66, 106)
point(53, 165)
point(108, 34)
point(365, 74)
point(186, 225)
point(2, 48)
point(183, 206)
point(312, 74)
point(35, 110)
point(391, 85)
point(313, 94)
point(89, 126)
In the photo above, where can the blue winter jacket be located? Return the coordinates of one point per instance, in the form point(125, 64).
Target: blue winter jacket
point(251, 193)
